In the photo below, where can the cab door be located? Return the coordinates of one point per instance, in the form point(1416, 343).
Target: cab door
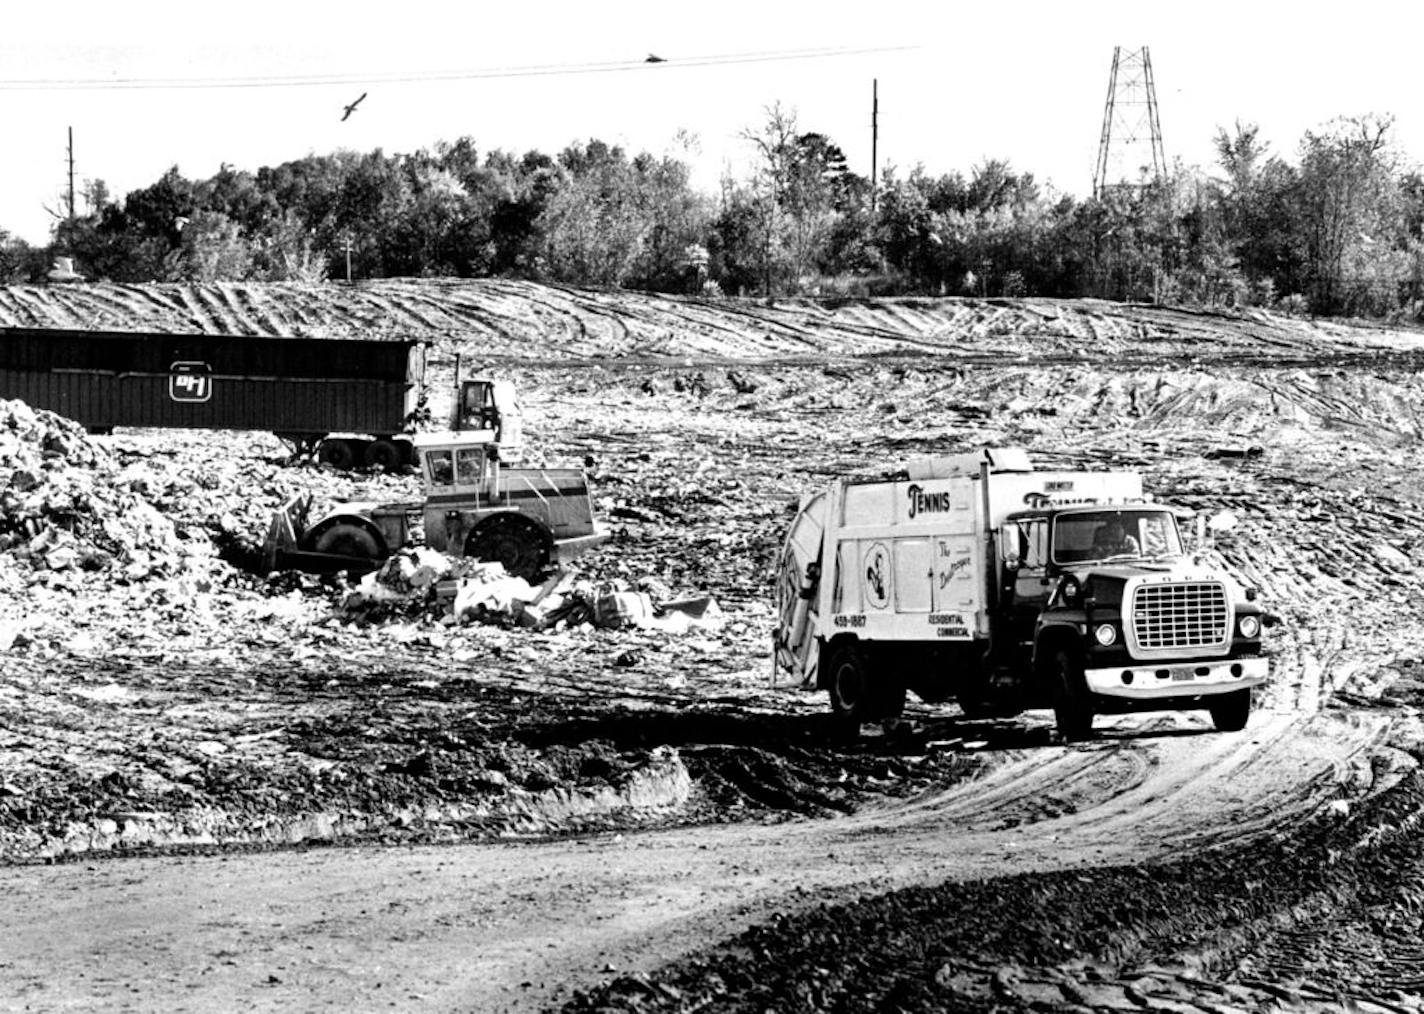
point(1027, 588)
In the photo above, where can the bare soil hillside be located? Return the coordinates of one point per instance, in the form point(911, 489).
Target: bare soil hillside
point(163, 704)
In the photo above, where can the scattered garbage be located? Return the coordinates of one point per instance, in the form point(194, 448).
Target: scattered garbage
point(66, 504)
point(458, 590)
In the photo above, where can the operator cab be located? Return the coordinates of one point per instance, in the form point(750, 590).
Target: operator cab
point(489, 409)
point(463, 464)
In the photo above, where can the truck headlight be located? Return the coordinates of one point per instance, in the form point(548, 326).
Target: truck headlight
point(1249, 626)
point(1105, 633)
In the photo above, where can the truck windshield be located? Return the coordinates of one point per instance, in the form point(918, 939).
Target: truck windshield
point(1130, 533)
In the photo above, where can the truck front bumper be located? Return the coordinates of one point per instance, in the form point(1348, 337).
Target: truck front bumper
point(1149, 681)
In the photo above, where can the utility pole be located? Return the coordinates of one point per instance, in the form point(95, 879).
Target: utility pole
point(874, 136)
point(71, 176)
point(347, 243)
point(1130, 124)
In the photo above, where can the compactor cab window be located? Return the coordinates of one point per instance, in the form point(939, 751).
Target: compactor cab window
point(469, 466)
point(479, 410)
point(441, 467)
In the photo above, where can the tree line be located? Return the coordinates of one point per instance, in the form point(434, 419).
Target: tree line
point(1338, 229)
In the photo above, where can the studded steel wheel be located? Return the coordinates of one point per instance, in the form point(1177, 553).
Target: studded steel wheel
point(514, 541)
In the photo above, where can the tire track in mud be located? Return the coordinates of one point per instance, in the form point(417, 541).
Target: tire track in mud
point(223, 308)
point(197, 315)
point(33, 307)
point(1024, 788)
point(261, 314)
point(428, 312)
point(111, 307)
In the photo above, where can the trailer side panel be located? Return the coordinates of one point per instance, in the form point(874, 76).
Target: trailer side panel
point(284, 385)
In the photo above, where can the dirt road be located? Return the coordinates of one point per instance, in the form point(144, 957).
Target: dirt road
point(516, 927)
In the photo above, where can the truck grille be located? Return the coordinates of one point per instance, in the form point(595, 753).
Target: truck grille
point(1180, 615)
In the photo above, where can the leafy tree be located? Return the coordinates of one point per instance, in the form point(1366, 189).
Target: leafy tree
point(211, 249)
point(1349, 207)
point(766, 194)
point(287, 253)
point(18, 260)
point(160, 211)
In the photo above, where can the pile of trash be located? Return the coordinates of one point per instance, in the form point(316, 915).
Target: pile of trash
point(65, 504)
point(459, 590)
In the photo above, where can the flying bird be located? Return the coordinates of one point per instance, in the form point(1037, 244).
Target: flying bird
point(352, 108)
point(654, 58)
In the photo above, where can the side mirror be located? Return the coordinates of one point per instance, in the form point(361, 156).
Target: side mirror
point(1012, 562)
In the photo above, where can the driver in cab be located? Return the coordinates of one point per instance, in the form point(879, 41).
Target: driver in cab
point(1111, 539)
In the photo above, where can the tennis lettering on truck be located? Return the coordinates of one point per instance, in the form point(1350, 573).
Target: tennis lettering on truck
point(976, 578)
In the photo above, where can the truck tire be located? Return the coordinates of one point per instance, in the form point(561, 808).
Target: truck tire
point(386, 455)
point(346, 538)
point(513, 540)
point(1072, 707)
point(857, 695)
point(1230, 712)
point(339, 454)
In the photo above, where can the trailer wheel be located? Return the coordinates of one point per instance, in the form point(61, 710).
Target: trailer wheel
point(1230, 712)
point(347, 539)
point(336, 453)
point(1072, 707)
point(856, 696)
point(513, 540)
point(385, 455)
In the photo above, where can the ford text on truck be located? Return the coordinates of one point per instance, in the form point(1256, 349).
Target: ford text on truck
point(974, 577)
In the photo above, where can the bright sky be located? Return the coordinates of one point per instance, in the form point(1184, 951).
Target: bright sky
point(958, 82)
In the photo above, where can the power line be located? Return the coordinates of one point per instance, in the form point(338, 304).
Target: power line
point(543, 70)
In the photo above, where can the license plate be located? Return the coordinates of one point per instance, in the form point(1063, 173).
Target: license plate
point(1183, 672)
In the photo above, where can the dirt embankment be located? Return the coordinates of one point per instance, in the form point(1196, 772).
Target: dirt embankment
point(154, 694)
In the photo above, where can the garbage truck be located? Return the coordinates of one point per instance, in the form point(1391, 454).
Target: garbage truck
point(977, 578)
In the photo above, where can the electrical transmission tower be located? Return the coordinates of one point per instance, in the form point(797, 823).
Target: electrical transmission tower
point(1131, 145)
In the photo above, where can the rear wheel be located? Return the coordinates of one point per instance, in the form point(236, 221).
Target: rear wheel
point(512, 540)
point(385, 455)
point(857, 695)
point(1229, 712)
point(336, 453)
point(1072, 707)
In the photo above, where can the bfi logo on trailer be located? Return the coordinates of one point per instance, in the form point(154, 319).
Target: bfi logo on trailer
point(190, 381)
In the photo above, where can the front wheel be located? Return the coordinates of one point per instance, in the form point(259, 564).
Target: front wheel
point(346, 538)
point(1229, 712)
point(1072, 707)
